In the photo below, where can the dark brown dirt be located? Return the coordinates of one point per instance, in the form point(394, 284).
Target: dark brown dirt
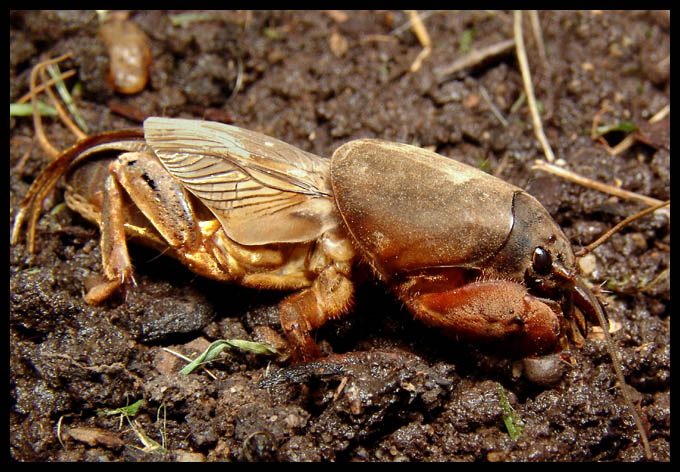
point(404, 392)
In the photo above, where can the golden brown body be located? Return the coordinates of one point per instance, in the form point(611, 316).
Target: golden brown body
point(466, 252)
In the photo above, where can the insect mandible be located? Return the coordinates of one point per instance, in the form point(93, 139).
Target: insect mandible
point(467, 253)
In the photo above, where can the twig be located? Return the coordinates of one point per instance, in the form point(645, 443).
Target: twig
point(660, 115)
point(239, 79)
point(538, 35)
point(129, 112)
point(338, 390)
point(474, 58)
point(26, 97)
point(540, 164)
point(37, 119)
point(419, 28)
point(590, 247)
point(59, 431)
point(377, 38)
point(400, 29)
point(529, 88)
point(594, 135)
point(55, 73)
point(625, 143)
point(624, 388)
point(629, 140)
point(423, 36)
point(60, 109)
point(493, 108)
point(422, 55)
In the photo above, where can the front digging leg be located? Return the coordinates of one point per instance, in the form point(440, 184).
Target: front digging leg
point(500, 313)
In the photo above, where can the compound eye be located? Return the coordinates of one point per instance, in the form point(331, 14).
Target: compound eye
point(541, 261)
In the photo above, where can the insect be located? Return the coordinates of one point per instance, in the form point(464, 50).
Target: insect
point(465, 252)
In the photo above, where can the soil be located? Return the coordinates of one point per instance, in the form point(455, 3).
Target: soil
point(402, 391)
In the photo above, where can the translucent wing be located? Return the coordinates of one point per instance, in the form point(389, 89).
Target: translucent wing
point(261, 189)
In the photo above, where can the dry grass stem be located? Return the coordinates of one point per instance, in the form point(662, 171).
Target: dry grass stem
point(37, 119)
point(596, 120)
point(538, 35)
point(65, 95)
point(419, 29)
point(41, 87)
point(420, 58)
point(377, 38)
point(474, 58)
point(625, 143)
point(59, 432)
point(590, 247)
point(594, 184)
point(239, 79)
point(493, 107)
point(529, 88)
point(400, 29)
point(595, 136)
point(660, 115)
point(65, 118)
point(629, 140)
point(423, 36)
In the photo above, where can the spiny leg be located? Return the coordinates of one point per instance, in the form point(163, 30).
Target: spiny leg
point(115, 258)
point(330, 296)
point(162, 201)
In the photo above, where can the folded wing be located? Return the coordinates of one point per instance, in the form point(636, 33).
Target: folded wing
point(261, 189)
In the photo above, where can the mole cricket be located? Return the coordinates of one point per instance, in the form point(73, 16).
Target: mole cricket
point(467, 253)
